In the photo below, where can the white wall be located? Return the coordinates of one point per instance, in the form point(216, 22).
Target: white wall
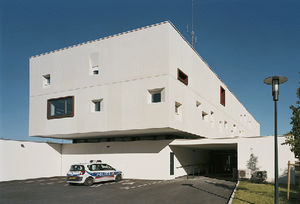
point(189, 159)
point(203, 86)
point(138, 159)
point(33, 160)
point(263, 149)
point(130, 64)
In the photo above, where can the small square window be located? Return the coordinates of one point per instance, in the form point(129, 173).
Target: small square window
point(97, 105)
point(46, 80)
point(95, 70)
point(181, 76)
point(225, 125)
point(204, 115)
point(177, 108)
point(156, 95)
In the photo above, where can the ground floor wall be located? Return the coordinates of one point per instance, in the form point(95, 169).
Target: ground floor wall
point(251, 152)
point(24, 160)
point(138, 159)
point(259, 151)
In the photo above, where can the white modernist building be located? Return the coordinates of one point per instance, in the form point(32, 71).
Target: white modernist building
point(144, 101)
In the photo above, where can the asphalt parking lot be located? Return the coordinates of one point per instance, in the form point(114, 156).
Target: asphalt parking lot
point(56, 190)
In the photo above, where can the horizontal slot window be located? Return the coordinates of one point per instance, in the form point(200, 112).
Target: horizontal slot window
point(181, 76)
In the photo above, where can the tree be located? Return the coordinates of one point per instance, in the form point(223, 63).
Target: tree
point(252, 162)
point(293, 138)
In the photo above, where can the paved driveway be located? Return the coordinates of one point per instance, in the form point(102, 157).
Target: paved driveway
point(55, 190)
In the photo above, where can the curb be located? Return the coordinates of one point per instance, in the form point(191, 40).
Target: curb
point(233, 192)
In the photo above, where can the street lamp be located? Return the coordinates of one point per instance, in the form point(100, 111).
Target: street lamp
point(275, 81)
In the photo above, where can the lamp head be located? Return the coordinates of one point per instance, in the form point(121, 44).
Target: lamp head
point(275, 81)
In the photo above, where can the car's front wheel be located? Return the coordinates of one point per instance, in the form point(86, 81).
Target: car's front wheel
point(89, 181)
point(118, 178)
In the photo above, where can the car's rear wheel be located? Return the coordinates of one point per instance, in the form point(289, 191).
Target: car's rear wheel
point(89, 181)
point(118, 178)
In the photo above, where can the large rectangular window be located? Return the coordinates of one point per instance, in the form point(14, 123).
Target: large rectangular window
point(222, 96)
point(60, 107)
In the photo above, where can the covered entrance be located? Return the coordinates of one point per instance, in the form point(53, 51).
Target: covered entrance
point(215, 160)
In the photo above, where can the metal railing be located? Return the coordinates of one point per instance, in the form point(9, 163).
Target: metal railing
point(191, 169)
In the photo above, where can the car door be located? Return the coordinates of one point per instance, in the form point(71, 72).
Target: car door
point(99, 173)
point(95, 172)
point(107, 172)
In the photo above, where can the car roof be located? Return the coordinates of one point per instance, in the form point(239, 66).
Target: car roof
point(89, 163)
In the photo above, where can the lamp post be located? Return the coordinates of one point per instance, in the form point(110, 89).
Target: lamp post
point(275, 81)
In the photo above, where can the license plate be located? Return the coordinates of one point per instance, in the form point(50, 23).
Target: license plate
point(72, 177)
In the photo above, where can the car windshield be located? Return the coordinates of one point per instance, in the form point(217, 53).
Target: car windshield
point(77, 168)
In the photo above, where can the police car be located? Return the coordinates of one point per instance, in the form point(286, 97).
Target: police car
point(93, 172)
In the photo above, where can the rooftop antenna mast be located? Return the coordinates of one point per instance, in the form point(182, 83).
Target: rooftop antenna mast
point(192, 33)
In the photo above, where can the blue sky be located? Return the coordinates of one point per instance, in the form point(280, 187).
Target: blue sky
point(243, 41)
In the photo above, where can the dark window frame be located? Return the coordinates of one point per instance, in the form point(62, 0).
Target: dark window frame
point(181, 76)
point(49, 117)
point(222, 96)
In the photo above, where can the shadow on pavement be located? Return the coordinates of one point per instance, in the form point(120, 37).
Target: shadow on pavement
point(200, 189)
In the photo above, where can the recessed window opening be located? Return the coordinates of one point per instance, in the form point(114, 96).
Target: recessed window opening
point(97, 105)
point(225, 125)
point(94, 63)
point(95, 70)
point(156, 95)
point(60, 107)
point(46, 80)
point(222, 96)
point(212, 118)
point(204, 115)
point(177, 108)
point(220, 125)
point(181, 76)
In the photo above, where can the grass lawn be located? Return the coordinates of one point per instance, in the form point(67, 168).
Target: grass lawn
point(248, 192)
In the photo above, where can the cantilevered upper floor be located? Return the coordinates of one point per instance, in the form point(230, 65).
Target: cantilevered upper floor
point(147, 81)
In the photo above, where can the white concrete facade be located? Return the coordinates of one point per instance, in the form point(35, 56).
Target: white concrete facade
point(137, 159)
point(122, 73)
point(130, 65)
